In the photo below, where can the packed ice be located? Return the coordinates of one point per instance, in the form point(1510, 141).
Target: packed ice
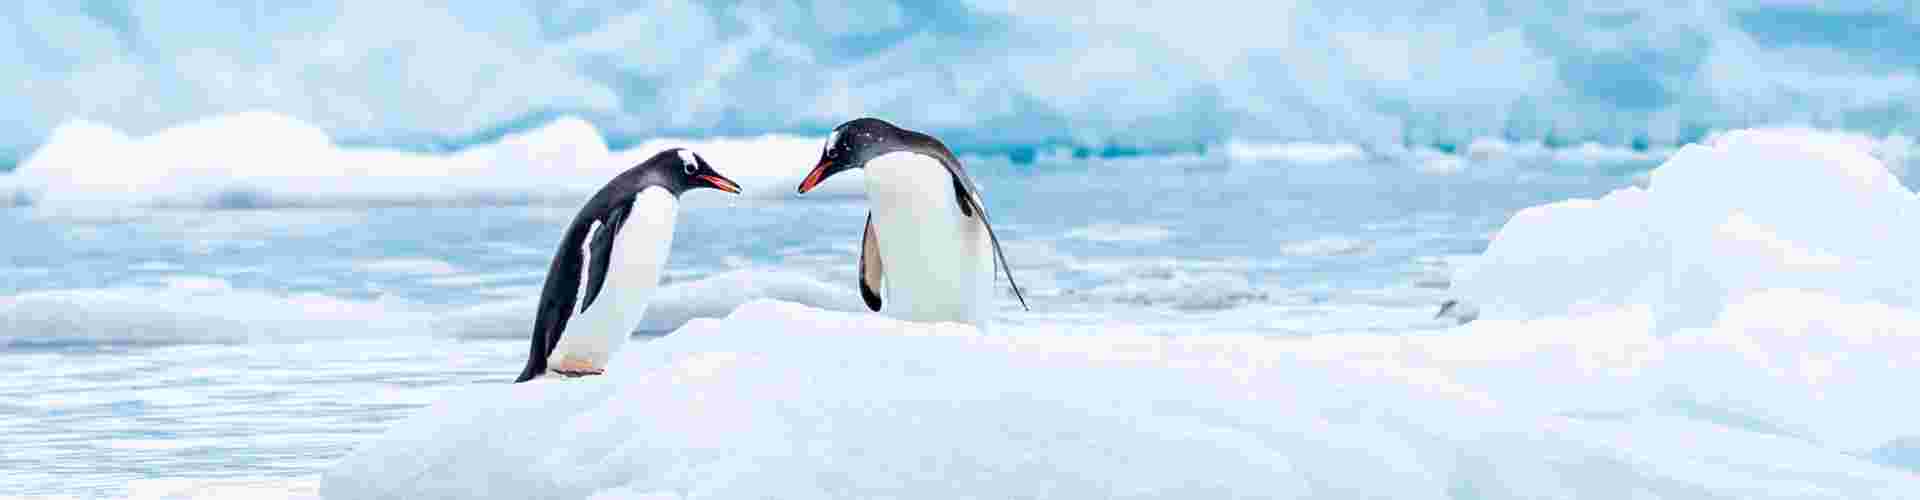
point(779, 399)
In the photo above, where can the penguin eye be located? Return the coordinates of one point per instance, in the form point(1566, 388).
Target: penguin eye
point(690, 168)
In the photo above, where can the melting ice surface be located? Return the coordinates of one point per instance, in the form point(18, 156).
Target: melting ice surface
point(1204, 325)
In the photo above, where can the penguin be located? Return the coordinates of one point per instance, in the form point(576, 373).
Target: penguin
point(609, 262)
point(928, 249)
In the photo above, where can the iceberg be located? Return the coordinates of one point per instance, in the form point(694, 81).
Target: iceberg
point(987, 75)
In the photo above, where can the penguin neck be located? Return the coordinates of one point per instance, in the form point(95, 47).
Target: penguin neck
point(905, 177)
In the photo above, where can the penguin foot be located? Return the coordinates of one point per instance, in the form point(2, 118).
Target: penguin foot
point(578, 373)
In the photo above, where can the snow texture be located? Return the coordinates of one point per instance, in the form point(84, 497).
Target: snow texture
point(787, 401)
point(1748, 211)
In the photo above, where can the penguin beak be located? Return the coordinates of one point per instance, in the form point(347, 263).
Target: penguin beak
point(819, 174)
point(720, 183)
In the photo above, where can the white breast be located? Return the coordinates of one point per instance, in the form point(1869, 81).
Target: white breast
point(639, 255)
point(939, 263)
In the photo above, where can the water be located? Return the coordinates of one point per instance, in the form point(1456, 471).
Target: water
point(156, 350)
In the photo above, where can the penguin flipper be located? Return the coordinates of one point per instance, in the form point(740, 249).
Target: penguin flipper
point(557, 298)
point(961, 193)
point(871, 268)
point(601, 248)
point(971, 206)
point(966, 193)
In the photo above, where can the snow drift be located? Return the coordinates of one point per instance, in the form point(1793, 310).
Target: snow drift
point(1751, 210)
point(783, 400)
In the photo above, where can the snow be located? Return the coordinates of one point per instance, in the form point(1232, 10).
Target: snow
point(1751, 210)
point(778, 399)
point(261, 159)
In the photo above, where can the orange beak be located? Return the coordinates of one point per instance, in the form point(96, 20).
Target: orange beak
point(721, 183)
point(813, 179)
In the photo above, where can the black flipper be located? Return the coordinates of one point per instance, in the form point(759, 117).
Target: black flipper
point(960, 193)
point(602, 248)
point(997, 253)
point(557, 298)
point(563, 286)
point(871, 268)
point(964, 193)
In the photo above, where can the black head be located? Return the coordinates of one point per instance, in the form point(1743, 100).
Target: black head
point(851, 144)
point(679, 170)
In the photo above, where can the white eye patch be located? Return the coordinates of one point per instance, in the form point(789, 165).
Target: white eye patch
point(687, 159)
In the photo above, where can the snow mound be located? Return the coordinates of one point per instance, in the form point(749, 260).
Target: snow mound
point(673, 304)
point(715, 296)
point(260, 159)
point(1750, 210)
point(780, 400)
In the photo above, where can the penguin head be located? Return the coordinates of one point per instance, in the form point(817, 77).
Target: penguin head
point(850, 145)
point(680, 170)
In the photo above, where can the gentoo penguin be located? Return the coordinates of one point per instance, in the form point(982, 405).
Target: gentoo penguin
point(929, 250)
point(608, 263)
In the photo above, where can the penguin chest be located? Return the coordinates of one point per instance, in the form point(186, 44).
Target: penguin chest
point(939, 262)
point(639, 255)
